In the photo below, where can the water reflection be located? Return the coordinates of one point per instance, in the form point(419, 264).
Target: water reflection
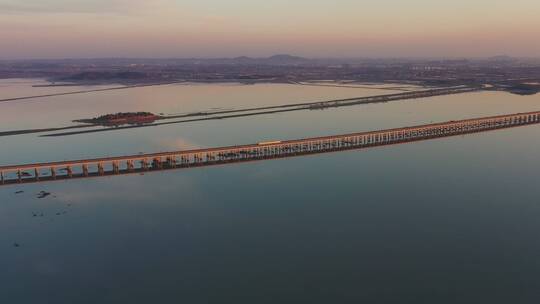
point(435, 220)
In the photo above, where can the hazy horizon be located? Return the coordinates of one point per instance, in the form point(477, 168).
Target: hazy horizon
point(58, 29)
point(232, 57)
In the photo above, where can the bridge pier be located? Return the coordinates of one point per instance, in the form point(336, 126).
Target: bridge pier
point(130, 166)
point(101, 171)
point(144, 164)
point(171, 162)
point(157, 163)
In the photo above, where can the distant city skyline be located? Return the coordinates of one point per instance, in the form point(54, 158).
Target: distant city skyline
point(316, 29)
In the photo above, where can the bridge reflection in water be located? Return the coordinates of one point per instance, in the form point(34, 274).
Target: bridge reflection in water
point(86, 168)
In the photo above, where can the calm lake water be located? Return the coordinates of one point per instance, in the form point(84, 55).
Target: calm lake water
point(455, 220)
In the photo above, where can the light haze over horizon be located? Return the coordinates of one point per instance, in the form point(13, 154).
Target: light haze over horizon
point(311, 28)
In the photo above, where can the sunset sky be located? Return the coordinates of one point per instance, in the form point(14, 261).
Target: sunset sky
point(313, 28)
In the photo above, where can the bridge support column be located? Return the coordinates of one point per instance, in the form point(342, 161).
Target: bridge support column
point(85, 169)
point(130, 165)
point(36, 174)
point(101, 171)
point(157, 163)
point(144, 163)
point(19, 175)
point(116, 167)
point(53, 172)
point(171, 161)
point(69, 171)
point(2, 177)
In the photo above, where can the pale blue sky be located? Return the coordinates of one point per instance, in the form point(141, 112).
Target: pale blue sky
point(186, 28)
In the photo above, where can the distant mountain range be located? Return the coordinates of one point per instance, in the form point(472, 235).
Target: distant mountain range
point(279, 59)
point(276, 59)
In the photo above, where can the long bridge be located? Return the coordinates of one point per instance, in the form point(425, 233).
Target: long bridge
point(391, 97)
point(64, 170)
